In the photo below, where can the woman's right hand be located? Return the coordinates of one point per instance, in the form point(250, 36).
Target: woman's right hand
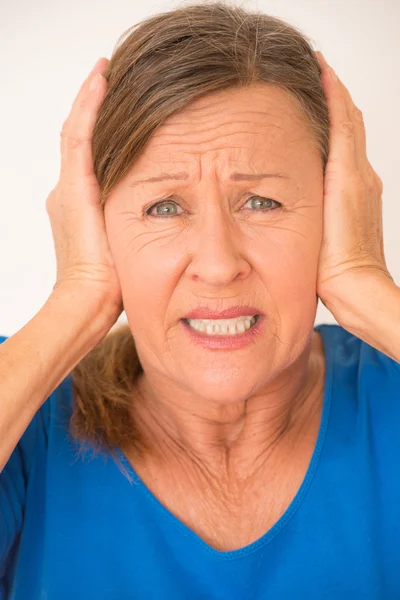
point(84, 260)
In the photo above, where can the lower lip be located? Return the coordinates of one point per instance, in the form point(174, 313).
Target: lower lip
point(225, 342)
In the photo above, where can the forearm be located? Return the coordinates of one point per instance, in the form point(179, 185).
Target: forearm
point(372, 313)
point(35, 360)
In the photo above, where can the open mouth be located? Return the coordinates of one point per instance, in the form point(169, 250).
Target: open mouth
point(223, 327)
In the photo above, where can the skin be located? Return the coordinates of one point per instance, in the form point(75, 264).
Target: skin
point(217, 416)
point(217, 457)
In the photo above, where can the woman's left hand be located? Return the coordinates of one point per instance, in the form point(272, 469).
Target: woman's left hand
point(352, 263)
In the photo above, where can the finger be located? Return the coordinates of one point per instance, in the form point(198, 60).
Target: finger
point(99, 67)
point(76, 134)
point(345, 118)
point(360, 139)
point(356, 116)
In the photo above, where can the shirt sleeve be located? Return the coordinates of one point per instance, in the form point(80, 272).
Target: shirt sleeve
point(14, 481)
point(382, 370)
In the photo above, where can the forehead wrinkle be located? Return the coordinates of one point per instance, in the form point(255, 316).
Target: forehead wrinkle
point(224, 116)
point(230, 112)
point(242, 159)
point(214, 141)
point(239, 127)
point(179, 140)
point(199, 135)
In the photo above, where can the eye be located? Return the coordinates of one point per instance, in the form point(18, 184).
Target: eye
point(263, 204)
point(169, 207)
point(164, 212)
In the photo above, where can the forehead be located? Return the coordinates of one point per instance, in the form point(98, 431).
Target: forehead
point(233, 125)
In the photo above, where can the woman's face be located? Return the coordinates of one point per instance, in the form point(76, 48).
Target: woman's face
point(218, 241)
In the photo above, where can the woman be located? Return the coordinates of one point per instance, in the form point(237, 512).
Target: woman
point(259, 453)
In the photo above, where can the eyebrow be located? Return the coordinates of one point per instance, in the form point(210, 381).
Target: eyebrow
point(233, 177)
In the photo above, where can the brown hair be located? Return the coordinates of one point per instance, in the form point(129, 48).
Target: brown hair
point(158, 66)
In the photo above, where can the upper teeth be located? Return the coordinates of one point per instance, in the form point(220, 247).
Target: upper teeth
point(223, 326)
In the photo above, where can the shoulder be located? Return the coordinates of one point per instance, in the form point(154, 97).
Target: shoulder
point(364, 385)
point(347, 351)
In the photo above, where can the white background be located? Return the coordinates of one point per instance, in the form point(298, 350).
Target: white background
point(47, 49)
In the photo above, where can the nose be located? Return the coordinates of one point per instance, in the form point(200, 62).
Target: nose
point(217, 248)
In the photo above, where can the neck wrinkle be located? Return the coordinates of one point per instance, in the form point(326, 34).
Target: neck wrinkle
point(245, 441)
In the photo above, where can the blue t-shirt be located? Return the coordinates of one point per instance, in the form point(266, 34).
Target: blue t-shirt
point(77, 528)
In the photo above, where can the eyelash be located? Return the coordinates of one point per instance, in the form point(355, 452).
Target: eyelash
point(147, 211)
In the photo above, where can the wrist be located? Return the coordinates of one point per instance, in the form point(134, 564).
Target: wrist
point(79, 311)
point(371, 312)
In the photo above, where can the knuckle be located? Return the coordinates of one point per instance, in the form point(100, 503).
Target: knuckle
point(72, 141)
point(51, 199)
point(374, 181)
point(358, 115)
point(359, 183)
point(65, 128)
point(370, 175)
point(83, 103)
point(379, 182)
point(347, 128)
point(49, 204)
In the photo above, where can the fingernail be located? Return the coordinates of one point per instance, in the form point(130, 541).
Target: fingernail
point(94, 84)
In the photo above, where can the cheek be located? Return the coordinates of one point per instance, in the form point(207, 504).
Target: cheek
point(289, 267)
point(290, 274)
point(145, 283)
point(149, 270)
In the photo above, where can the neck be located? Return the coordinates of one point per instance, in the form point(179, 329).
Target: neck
point(233, 439)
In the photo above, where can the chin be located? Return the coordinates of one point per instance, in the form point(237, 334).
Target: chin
point(224, 388)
